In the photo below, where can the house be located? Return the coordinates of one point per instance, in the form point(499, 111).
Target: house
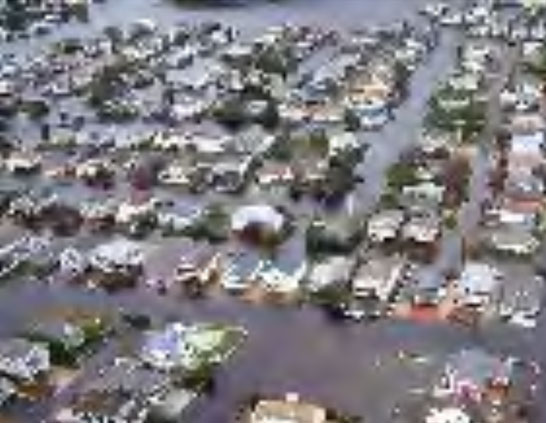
point(189, 347)
point(209, 145)
point(182, 175)
point(99, 215)
point(290, 409)
point(447, 415)
point(422, 228)
point(527, 122)
point(523, 182)
point(329, 272)
point(521, 305)
point(169, 141)
point(272, 173)
point(527, 149)
point(231, 174)
point(258, 221)
point(431, 143)
point(478, 284)
point(475, 374)
point(7, 391)
point(280, 277)
point(426, 288)
point(238, 270)
point(385, 225)
point(292, 112)
point(465, 81)
point(22, 163)
point(524, 97)
point(117, 255)
point(343, 142)
point(197, 268)
point(123, 392)
point(426, 192)
point(513, 240)
point(188, 108)
point(374, 113)
point(174, 222)
point(238, 53)
point(511, 211)
point(23, 360)
point(72, 262)
point(129, 212)
point(59, 332)
point(325, 113)
point(378, 277)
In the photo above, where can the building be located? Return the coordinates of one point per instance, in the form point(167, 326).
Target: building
point(513, 240)
point(198, 268)
point(385, 225)
point(237, 271)
point(258, 221)
point(7, 391)
point(280, 278)
point(23, 360)
point(378, 277)
point(447, 415)
point(478, 284)
point(422, 228)
point(117, 255)
point(231, 174)
point(124, 392)
point(59, 332)
point(180, 346)
point(329, 272)
point(290, 409)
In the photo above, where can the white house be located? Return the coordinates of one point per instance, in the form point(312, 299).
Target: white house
point(478, 283)
point(514, 240)
point(447, 415)
point(278, 280)
point(257, 215)
point(385, 225)
point(336, 269)
point(117, 254)
point(378, 277)
point(422, 228)
point(23, 359)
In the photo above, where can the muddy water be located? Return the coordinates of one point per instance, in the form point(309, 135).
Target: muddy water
point(352, 367)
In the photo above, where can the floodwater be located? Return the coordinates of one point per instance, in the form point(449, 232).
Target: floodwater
point(353, 367)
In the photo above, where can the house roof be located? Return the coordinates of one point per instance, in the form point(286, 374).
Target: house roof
point(289, 411)
point(512, 237)
point(258, 214)
point(527, 144)
point(478, 277)
point(128, 376)
point(386, 218)
point(447, 415)
point(334, 269)
point(7, 390)
point(17, 348)
point(117, 252)
point(377, 272)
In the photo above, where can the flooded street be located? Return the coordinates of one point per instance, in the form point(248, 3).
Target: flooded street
point(353, 366)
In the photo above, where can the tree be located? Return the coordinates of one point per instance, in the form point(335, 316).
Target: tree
point(455, 179)
point(269, 118)
point(400, 175)
point(352, 121)
point(231, 114)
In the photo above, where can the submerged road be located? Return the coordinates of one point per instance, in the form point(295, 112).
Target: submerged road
point(353, 367)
